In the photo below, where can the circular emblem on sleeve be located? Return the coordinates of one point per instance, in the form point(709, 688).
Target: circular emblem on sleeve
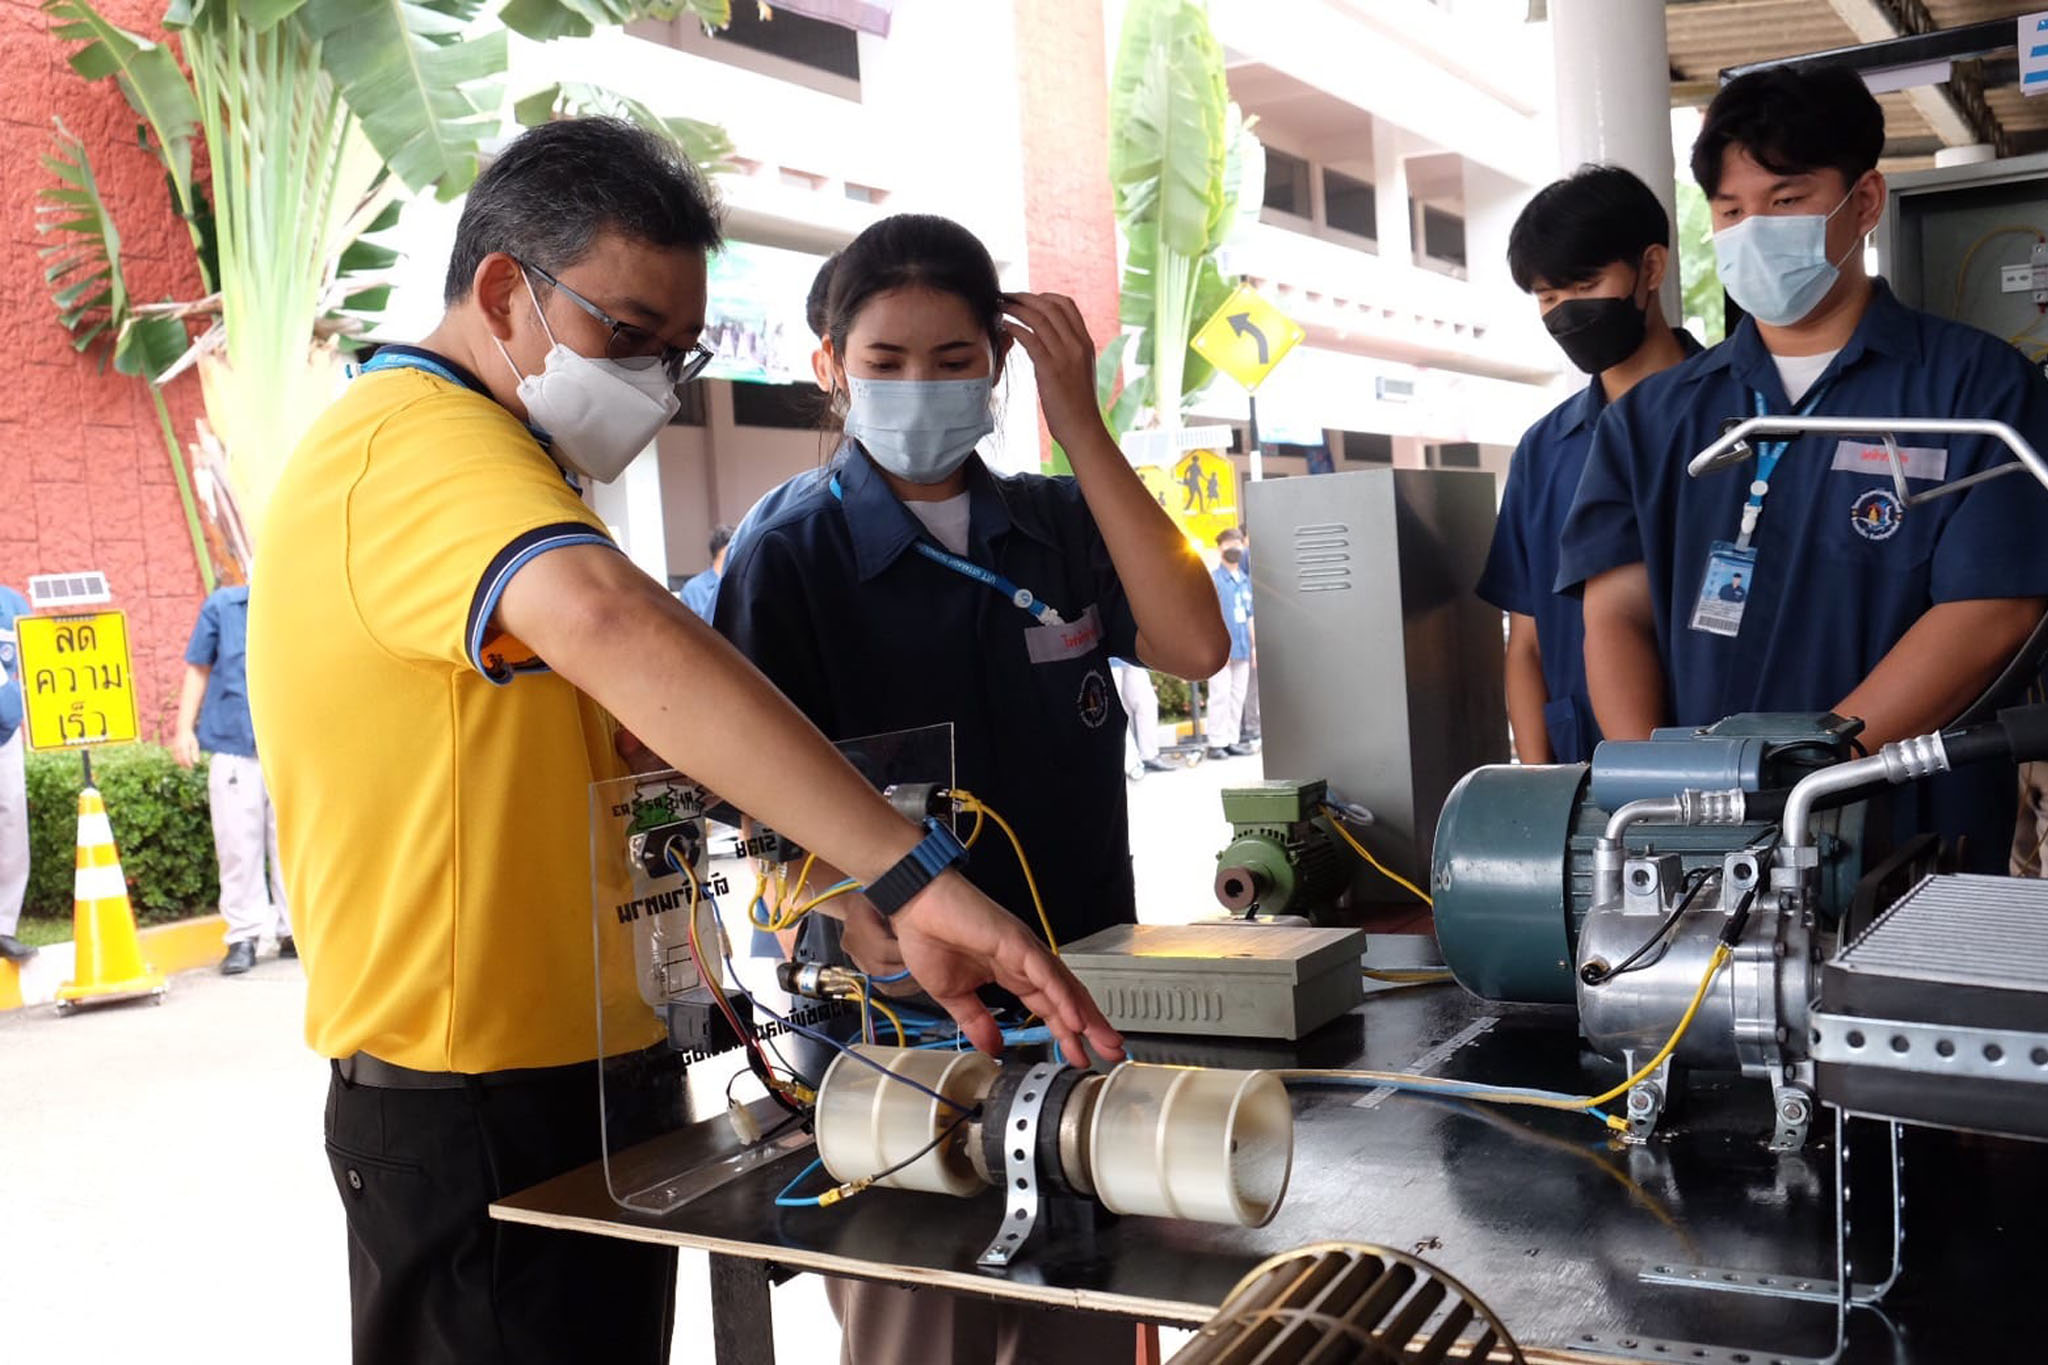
point(1877, 515)
point(1094, 699)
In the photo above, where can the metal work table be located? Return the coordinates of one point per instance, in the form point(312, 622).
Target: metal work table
point(1539, 1212)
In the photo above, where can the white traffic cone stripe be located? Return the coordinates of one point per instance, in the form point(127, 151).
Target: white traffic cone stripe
point(99, 884)
point(94, 831)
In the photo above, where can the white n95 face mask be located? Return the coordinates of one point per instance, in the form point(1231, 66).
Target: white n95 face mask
point(920, 430)
point(1776, 265)
point(598, 414)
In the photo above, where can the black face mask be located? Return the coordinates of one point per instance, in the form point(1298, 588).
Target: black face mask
point(1232, 556)
point(1597, 334)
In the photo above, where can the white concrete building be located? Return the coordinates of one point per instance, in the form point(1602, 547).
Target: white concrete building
point(1402, 137)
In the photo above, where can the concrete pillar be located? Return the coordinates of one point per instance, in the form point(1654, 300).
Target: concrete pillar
point(631, 507)
point(1390, 193)
point(1614, 96)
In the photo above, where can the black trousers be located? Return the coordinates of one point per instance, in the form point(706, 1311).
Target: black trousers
point(433, 1278)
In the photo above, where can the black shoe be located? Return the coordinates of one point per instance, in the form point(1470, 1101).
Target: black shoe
point(1153, 765)
point(286, 949)
point(1244, 750)
point(241, 957)
point(14, 950)
point(1219, 753)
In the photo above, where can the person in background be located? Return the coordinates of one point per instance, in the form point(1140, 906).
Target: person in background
point(914, 586)
point(1141, 704)
point(1231, 683)
point(213, 718)
point(1250, 727)
point(13, 783)
point(700, 594)
point(1854, 602)
point(1593, 249)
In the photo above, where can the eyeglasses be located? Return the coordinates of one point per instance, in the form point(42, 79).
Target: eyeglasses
point(635, 347)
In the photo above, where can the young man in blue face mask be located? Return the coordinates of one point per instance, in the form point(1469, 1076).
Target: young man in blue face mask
point(1851, 601)
point(1593, 250)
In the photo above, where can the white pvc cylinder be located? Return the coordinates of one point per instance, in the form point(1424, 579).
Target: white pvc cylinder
point(1186, 1142)
point(867, 1122)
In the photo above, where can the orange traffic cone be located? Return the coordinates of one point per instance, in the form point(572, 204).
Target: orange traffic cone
point(109, 965)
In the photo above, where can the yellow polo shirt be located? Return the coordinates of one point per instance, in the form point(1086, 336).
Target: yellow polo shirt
point(431, 778)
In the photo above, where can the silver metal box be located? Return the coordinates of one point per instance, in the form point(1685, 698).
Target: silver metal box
point(1223, 980)
point(1379, 667)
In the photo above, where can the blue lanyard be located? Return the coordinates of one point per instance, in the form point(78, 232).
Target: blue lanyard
point(1768, 453)
point(1021, 598)
point(394, 360)
point(399, 360)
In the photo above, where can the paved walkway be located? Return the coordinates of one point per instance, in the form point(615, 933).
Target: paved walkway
point(163, 1191)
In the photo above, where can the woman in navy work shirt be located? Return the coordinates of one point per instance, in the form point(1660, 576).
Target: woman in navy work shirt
point(881, 598)
point(835, 595)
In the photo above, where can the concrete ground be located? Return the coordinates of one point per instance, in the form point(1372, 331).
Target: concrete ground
point(163, 1190)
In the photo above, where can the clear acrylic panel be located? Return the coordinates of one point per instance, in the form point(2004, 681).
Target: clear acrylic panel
point(664, 957)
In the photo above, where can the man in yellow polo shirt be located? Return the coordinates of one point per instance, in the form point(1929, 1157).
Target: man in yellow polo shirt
point(440, 635)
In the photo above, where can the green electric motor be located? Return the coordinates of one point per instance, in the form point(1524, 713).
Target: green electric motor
point(1282, 858)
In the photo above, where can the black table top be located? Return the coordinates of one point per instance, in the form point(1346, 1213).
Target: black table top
point(1543, 1214)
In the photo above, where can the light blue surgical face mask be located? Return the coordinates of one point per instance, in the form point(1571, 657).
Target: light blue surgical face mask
point(1776, 265)
point(919, 429)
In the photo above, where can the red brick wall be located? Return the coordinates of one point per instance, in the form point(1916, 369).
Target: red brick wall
point(85, 481)
point(1070, 220)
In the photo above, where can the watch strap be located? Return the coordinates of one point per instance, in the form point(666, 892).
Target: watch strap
point(916, 870)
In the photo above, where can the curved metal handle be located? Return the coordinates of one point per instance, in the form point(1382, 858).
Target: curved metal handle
point(1733, 446)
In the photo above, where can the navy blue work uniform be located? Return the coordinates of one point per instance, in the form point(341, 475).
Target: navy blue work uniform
point(220, 642)
point(1842, 570)
point(827, 595)
point(1521, 567)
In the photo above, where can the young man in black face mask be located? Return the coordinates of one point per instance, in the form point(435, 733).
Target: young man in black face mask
point(1592, 249)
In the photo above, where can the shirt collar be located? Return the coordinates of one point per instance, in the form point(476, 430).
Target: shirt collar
point(1583, 409)
point(882, 528)
point(1887, 327)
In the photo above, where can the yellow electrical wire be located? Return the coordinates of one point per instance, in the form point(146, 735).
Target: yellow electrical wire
point(1414, 977)
point(1337, 823)
point(1570, 1103)
point(874, 1002)
point(968, 801)
point(1963, 270)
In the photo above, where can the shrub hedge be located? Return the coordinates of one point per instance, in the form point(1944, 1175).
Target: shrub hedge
point(161, 825)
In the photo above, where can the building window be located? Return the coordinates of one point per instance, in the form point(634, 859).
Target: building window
point(795, 38)
point(1455, 455)
point(1443, 236)
point(786, 407)
point(1287, 184)
point(1349, 205)
point(1367, 447)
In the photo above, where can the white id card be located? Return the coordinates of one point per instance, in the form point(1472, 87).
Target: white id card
point(1724, 592)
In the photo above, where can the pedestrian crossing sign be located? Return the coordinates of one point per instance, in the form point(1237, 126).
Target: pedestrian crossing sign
point(77, 680)
point(1247, 337)
point(1201, 496)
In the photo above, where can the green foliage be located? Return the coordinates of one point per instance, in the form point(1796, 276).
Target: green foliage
point(1699, 286)
point(1176, 697)
point(161, 826)
point(1179, 154)
point(707, 145)
point(148, 75)
point(541, 20)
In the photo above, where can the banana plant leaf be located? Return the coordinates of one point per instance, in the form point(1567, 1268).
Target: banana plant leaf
point(148, 76)
point(708, 146)
point(423, 85)
point(542, 20)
